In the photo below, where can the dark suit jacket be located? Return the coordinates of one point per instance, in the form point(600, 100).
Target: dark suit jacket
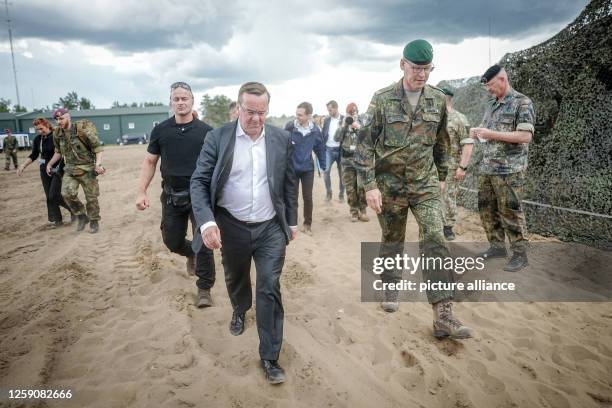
point(325, 130)
point(215, 163)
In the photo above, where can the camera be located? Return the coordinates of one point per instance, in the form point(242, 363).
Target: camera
point(348, 121)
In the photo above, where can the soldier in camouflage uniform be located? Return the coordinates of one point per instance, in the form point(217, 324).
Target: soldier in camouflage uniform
point(352, 175)
point(404, 150)
point(10, 149)
point(461, 151)
point(507, 129)
point(78, 143)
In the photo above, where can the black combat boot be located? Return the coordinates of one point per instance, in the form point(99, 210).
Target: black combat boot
point(449, 234)
point(493, 252)
point(94, 227)
point(83, 221)
point(517, 262)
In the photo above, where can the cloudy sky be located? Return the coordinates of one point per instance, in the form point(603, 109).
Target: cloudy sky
point(132, 50)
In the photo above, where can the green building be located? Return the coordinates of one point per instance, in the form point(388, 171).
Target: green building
point(8, 120)
point(112, 123)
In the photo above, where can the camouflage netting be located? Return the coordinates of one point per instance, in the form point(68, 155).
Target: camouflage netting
point(569, 79)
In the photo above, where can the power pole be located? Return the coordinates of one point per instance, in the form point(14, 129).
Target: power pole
point(8, 22)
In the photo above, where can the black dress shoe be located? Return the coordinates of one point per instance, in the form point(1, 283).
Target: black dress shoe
point(237, 324)
point(517, 262)
point(493, 252)
point(274, 373)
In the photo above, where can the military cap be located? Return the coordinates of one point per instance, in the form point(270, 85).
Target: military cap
point(490, 73)
point(59, 112)
point(447, 91)
point(418, 51)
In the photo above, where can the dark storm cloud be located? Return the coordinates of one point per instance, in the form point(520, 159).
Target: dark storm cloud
point(395, 22)
point(144, 26)
point(126, 26)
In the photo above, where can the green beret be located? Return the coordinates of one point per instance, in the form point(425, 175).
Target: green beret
point(447, 91)
point(419, 52)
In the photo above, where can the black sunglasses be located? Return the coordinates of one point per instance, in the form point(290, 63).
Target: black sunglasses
point(180, 85)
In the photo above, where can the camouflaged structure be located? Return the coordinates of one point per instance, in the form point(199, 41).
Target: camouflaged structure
point(569, 80)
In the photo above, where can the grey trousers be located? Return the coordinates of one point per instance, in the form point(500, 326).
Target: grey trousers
point(264, 243)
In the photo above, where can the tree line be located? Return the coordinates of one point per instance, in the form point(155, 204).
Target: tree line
point(70, 101)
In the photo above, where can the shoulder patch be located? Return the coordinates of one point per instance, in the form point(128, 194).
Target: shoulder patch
point(436, 90)
point(386, 89)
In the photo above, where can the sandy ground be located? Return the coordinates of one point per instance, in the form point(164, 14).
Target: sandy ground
point(111, 317)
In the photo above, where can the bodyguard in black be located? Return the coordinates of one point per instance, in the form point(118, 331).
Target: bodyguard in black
point(43, 150)
point(178, 141)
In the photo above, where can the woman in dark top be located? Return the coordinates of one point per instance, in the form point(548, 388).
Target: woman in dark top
point(43, 150)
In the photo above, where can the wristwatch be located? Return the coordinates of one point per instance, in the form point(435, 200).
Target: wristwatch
point(463, 168)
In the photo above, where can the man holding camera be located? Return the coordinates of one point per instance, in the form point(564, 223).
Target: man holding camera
point(80, 147)
point(346, 136)
point(178, 141)
point(405, 151)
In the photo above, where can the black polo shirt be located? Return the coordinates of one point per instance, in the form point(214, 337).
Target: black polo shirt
point(179, 146)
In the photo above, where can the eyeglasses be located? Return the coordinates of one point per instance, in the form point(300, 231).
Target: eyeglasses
point(251, 113)
point(180, 85)
point(419, 68)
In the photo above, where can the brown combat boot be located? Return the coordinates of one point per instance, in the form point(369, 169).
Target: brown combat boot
point(446, 325)
point(204, 299)
point(363, 217)
point(391, 302)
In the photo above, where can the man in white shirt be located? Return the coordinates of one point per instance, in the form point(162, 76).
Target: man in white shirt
point(244, 197)
point(332, 149)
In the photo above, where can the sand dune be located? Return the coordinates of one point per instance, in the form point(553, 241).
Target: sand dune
point(111, 317)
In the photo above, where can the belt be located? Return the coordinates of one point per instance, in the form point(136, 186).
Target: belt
point(224, 211)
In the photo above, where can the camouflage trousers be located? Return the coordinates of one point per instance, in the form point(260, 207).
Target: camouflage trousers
point(8, 156)
point(501, 211)
point(449, 199)
point(427, 212)
point(353, 183)
point(70, 189)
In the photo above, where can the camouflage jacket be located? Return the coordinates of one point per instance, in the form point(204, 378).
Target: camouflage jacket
point(10, 144)
point(396, 141)
point(514, 112)
point(458, 132)
point(77, 145)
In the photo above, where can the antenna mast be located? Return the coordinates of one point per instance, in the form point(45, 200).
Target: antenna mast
point(8, 22)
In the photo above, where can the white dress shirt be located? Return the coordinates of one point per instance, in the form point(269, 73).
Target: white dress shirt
point(246, 194)
point(334, 123)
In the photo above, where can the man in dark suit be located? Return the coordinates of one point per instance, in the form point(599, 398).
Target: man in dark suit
point(244, 194)
point(332, 148)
